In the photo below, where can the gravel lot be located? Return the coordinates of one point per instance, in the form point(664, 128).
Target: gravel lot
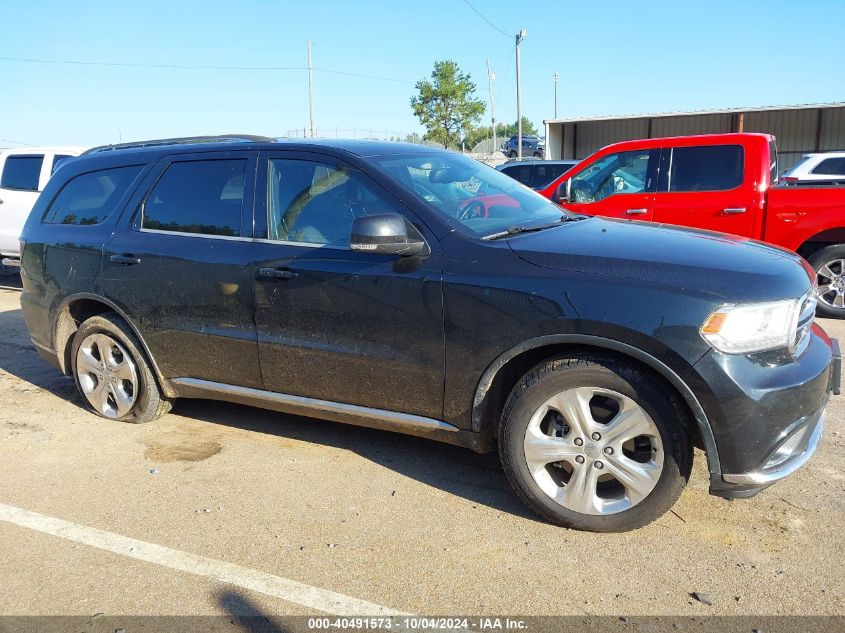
point(405, 523)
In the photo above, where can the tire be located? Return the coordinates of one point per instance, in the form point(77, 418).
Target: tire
point(830, 259)
point(663, 451)
point(538, 155)
point(112, 374)
point(513, 154)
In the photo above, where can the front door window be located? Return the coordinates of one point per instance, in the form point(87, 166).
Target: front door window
point(625, 172)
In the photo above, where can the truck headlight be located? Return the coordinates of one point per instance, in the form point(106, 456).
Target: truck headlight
point(755, 327)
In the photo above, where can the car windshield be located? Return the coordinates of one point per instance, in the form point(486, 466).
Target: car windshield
point(469, 195)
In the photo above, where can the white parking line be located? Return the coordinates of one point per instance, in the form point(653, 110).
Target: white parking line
point(268, 584)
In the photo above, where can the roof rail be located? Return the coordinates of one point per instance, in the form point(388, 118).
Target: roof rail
point(223, 138)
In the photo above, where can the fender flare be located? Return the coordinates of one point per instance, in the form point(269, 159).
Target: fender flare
point(66, 301)
point(486, 381)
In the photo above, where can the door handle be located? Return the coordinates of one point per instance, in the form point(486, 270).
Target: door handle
point(636, 211)
point(277, 273)
point(734, 210)
point(126, 260)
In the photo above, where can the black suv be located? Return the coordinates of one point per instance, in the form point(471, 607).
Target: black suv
point(417, 290)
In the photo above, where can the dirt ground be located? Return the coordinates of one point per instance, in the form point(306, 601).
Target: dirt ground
point(409, 524)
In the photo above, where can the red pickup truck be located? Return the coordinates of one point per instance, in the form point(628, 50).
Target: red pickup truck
point(721, 182)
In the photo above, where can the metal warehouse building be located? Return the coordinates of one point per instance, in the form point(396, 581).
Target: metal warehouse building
point(799, 129)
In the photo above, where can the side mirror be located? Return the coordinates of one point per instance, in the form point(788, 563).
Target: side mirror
point(388, 234)
point(561, 194)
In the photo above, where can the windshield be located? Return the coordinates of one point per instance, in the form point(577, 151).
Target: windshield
point(468, 194)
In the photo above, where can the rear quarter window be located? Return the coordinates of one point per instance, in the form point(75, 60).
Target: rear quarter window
point(90, 198)
point(830, 167)
point(22, 173)
point(706, 168)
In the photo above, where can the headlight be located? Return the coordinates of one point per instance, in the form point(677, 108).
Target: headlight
point(753, 327)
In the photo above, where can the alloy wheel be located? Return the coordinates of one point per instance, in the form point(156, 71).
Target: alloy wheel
point(107, 375)
point(593, 450)
point(831, 283)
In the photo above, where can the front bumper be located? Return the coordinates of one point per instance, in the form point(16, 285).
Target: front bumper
point(794, 452)
point(767, 414)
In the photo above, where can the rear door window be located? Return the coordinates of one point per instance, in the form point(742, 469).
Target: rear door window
point(706, 168)
point(830, 167)
point(90, 198)
point(22, 172)
point(545, 174)
point(203, 197)
point(58, 161)
point(520, 173)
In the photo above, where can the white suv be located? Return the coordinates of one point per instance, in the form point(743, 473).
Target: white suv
point(23, 174)
point(815, 167)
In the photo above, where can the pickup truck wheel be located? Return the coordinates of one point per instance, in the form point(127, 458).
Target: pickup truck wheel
point(829, 264)
point(592, 443)
point(112, 374)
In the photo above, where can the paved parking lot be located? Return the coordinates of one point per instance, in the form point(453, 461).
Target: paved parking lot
point(294, 513)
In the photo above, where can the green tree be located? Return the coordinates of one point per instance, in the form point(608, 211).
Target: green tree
point(528, 129)
point(503, 132)
point(446, 105)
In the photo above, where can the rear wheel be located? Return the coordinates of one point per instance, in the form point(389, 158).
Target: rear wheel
point(112, 374)
point(595, 444)
point(829, 264)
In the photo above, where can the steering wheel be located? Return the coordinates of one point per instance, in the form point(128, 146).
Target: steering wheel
point(424, 193)
point(474, 209)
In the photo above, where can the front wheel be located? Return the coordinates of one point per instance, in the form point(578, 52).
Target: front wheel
point(513, 154)
point(112, 374)
point(829, 264)
point(593, 443)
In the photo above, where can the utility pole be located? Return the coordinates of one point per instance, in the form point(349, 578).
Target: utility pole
point(555, 77)
point(519, 37)
point(310, 91)
point(490, 77)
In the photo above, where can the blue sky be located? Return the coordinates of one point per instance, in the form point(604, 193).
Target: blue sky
point(613, 58)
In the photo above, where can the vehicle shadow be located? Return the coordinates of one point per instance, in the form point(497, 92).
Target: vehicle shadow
point(246, 615)
point(458, 471)
point(19, 358)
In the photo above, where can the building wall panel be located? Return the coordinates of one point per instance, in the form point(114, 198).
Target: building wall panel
point(833, 130)
point(795, 129)
point(688, 125)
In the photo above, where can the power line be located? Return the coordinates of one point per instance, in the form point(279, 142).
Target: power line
point(75, 62)
point(6, 140)
point(481, 15)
